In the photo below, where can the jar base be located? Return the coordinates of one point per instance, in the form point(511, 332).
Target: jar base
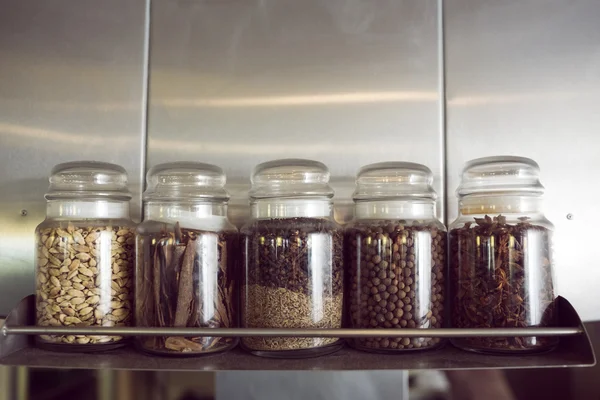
point(463, 345)
point(297, 353)
point(374, 350)
point(80, 348)
point(173, 354)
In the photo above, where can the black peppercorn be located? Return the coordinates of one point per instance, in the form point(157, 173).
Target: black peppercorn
point(392, 281)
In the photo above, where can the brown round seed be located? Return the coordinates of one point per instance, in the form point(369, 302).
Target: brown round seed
point(386, 264)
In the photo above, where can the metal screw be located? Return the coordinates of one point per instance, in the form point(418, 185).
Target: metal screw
point(569, 216)
point(23, 213)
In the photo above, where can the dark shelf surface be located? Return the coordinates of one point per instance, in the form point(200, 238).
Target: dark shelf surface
point(448, 357)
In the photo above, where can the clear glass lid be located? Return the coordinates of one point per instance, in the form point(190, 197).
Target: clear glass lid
point(181, 181)
point(290, 178)
point(88, 180)
point(394, 180)
point(500, 175)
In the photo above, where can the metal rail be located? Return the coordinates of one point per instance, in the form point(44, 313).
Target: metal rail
point(245, 332)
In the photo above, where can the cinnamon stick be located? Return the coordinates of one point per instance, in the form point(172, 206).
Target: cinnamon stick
point(186, 285)
point(156, 287)
point(182, 344)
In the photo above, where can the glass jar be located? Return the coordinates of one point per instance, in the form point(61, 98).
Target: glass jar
point(395, 256)
point(292, 259)
point(501, 255)
point(185, 275)
point(85, 254)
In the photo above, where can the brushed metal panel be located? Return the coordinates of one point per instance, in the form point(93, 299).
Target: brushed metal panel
point(346, 82)
point(522, 78)
point(71, 87)
point(347, 385)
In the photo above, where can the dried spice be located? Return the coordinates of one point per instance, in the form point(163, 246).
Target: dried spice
point(396, 280)
point(283, 308)
point(185, 279)
point(84, 278)
point(502, 278)
point(294, 280)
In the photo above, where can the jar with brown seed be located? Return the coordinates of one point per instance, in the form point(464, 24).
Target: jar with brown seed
point(187, 250)
point(85, 255)
point(501, 255)
point(395, 252)
point(292, 254)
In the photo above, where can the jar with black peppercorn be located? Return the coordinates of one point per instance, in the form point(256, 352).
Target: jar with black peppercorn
point(501, 255)
point(292, 254)
point(395, 252)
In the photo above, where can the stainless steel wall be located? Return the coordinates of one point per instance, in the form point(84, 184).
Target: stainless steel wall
point(72, 78)
point(523, 78)
point(348, 83)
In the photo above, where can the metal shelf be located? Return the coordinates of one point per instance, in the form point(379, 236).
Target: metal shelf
point(16, 348)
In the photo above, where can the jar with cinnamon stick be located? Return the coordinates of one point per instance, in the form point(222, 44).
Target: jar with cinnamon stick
point(185, 260)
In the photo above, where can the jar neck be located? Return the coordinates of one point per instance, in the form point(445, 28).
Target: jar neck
point(78, 209)
point(292, 208)
point(395, 209)
point(505, 204)
point(172, 211)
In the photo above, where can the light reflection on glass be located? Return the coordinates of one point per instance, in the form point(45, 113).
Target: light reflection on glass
point(423, 259)
point(532, 242)
point(105, 270)
point(207, 248)
point(319, 259)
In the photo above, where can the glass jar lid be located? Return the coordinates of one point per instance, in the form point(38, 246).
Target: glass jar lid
point(180, 181)
point(88, 179)
point(394, 180)
point(290, 178)
point(500, 175)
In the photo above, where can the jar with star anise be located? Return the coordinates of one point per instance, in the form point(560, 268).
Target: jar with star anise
point(501, 255)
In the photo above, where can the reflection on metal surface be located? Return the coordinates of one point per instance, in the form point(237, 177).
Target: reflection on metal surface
point(345, 83)
point(522, 78)
point(250, 149)
point(303, 100)
point(59, 138)
point(518, 98)
point(289, 332)
point(7, 383)
point(105, 384)
point(22, 383)
point(347, 385)
point(62, 63)
point(14, 383)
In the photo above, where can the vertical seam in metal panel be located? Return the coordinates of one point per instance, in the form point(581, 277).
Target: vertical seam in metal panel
point(145, 105)
point(442, 105)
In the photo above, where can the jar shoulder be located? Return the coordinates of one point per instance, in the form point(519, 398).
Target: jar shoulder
point(148, 227)
point(395, 224)
point(474, 220)
point(308, 225)
point(62, 223)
